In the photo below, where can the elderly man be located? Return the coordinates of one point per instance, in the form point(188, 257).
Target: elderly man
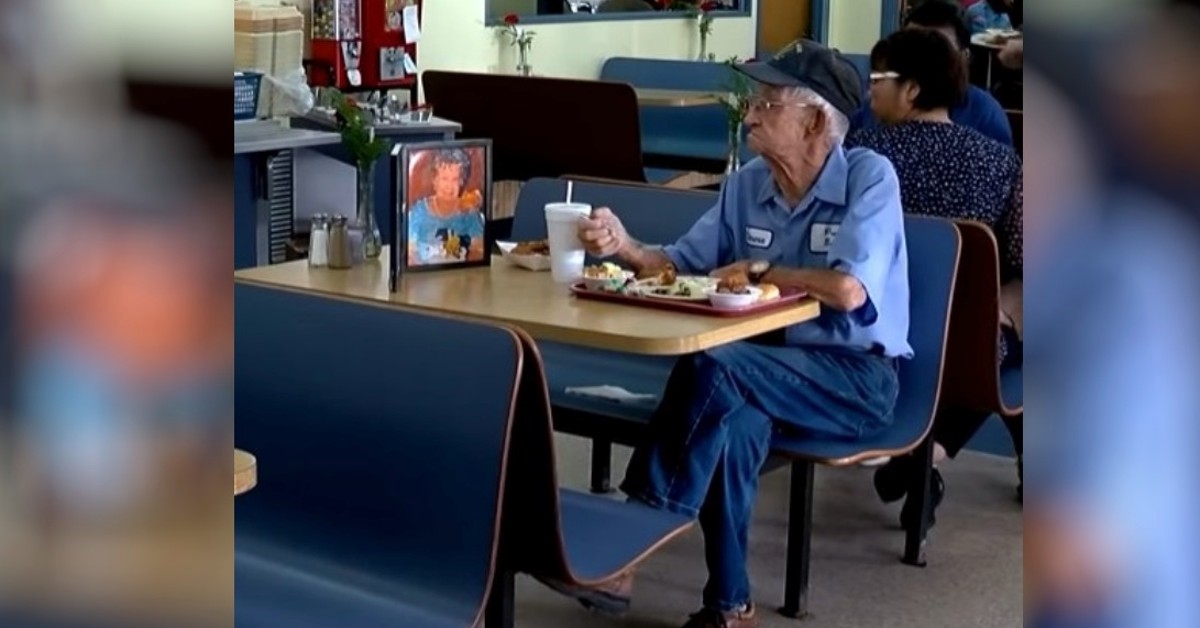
point(807, 215)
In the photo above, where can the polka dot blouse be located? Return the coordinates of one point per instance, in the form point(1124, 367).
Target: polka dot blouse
point(952, 171)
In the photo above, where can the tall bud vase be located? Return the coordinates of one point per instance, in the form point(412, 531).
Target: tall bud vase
point(523, 67)
point(733, 162)
point(703, 47)
point(372, 242)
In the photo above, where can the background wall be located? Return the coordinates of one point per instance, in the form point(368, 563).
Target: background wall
point(454, 38)
point(854, 25)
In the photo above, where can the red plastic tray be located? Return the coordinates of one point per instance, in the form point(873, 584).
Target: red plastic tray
point(786, 298)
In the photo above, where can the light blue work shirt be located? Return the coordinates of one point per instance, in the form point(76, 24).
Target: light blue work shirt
point(850, 220)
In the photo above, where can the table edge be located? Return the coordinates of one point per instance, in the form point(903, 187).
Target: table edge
point(641, 346)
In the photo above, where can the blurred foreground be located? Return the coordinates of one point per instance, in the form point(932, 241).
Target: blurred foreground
point(1113, 348)
point(116, 337)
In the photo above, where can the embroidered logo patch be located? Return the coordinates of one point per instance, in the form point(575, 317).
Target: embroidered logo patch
point(759, 238)
point(821, 237)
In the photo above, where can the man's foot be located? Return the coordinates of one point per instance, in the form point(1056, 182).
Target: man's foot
point(891, 480)
point(610, 598)
point(937, 490)
point(709, 618)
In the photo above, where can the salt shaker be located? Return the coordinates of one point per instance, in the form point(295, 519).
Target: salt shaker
point(318, 242)
point(340, 254)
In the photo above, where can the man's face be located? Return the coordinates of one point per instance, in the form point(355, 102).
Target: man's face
point(447, 181)
point(779, 121)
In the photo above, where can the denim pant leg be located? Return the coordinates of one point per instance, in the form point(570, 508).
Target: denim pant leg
point(725, 516)
point(674, 466)
point(709, 438)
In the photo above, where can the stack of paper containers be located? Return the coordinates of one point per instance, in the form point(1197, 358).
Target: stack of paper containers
point(268, 38)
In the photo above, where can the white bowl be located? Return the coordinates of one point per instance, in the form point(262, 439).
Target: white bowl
point(607, 284)
point(728, 301)
point(528, 262)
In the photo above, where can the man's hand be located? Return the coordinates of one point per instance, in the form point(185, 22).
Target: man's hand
point(724, 272)
point(603, 235)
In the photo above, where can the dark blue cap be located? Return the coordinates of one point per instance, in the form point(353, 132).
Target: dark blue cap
point(808, 64)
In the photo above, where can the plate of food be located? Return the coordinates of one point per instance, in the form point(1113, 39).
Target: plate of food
point(607, 277)
point(531, 255)
point(994, 37)
point(671, 286)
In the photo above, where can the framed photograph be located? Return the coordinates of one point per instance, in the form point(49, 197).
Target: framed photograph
point(443, 203)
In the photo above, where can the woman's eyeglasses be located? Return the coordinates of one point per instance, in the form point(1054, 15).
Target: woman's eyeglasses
point(876, 77)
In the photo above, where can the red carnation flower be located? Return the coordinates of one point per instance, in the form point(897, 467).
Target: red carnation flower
point(710, 5)
point(511, 19)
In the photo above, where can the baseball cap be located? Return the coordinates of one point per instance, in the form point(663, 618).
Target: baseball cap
point(806, 63)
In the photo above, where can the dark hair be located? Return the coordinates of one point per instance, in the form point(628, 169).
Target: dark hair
point(941, 14)
point(999, 6)
point(454, 157)
point(924, 57)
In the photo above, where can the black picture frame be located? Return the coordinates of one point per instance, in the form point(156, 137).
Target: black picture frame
point(420, 244)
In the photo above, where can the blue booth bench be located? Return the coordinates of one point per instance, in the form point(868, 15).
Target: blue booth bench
point(662, 215)
point(696, 133)
point(391, 492)
point(689, 138)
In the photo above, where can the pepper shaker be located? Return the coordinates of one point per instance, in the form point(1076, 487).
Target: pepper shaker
point(340, 255)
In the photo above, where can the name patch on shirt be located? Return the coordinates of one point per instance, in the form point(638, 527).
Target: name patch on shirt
point(759, 238)
point(821, 237)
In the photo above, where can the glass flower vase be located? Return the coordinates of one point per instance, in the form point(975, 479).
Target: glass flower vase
point(523, 67)
point(372, 241)
point(733, 162)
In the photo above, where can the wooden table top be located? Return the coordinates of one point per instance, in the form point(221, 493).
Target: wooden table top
point(675, 97)
point(533, 302)
point(245, 472)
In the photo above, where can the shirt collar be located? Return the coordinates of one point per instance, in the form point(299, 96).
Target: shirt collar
point(830, 185)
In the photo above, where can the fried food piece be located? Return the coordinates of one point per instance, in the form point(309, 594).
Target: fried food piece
point(736, 283)
point(533, 247)
point(667, 276)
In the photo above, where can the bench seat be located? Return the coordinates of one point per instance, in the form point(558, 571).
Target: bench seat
point(593, 550)
point(280, 591)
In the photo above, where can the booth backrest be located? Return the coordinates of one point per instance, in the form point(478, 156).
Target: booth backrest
point(544, 127)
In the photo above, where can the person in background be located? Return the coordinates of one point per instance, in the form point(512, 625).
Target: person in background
point(950, 171)
point(978, 109)
point(989, 14)
point(1013, 54)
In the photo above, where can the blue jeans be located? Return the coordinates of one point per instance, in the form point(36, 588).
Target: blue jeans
point(712, 432)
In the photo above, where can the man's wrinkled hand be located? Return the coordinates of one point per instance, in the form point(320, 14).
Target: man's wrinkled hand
point(602, 234)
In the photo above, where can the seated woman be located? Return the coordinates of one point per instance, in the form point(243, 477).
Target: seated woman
point(946, 170)
point(987, 14)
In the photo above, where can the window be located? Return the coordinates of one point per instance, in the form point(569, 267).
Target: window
point(543, 11)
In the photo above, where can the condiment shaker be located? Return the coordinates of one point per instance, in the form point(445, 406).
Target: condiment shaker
point(318, 242)
point(340, 254)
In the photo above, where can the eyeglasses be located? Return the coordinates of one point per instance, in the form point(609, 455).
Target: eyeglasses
point(876, 77)
point(758, 103)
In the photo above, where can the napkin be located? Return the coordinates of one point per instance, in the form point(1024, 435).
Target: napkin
point(609, 392)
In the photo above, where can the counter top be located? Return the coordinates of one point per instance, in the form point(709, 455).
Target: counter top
point(265, 135)
point(320, 120)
